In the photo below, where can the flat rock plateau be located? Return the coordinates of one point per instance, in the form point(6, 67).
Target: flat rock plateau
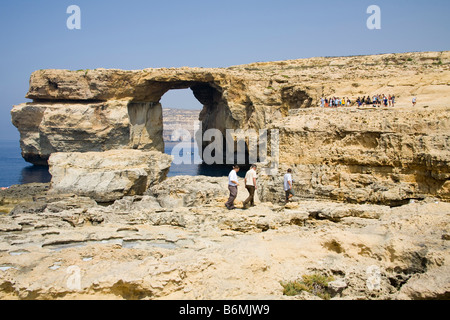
point(372, 185)
point(179, 242)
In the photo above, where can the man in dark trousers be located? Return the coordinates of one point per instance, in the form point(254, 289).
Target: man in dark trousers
point(250, 185)
point(288, 185)
point(233, 184)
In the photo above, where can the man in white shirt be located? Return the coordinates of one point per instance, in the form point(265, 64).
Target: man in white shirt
point(288, 185)
point(250, 185)
point(233, 184)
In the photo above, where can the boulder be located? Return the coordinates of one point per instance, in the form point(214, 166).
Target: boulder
point(432, 285)
point(107, 176)
point(185, 191)
point(336, 287)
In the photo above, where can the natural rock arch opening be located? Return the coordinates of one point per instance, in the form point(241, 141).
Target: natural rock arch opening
point(215, 114)
point(181, 110)
point(146, 116)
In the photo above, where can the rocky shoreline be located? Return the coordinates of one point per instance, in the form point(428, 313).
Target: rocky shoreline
point(179, 242)
point(373, 185)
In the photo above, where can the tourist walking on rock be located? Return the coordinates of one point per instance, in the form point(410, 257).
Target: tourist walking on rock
point(250, 185)
point(233, 184)
point(288, 184)
point(414, 101)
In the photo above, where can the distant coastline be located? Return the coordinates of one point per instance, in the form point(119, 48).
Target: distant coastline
point(177, 122)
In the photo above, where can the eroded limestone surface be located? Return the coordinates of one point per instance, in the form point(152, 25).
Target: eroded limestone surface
point(71, 248)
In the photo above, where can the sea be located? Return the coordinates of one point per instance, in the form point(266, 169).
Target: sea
point(15, 170)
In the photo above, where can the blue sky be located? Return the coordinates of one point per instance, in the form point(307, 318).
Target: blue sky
point(138, 34)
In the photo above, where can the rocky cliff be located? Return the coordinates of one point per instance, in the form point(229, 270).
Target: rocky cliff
point(365, 155)
point(368, 182)
point(352, 154)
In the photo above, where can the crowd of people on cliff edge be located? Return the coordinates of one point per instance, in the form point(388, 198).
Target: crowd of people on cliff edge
point(378, 100)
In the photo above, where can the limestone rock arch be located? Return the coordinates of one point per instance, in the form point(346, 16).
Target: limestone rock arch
point(101, 110)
